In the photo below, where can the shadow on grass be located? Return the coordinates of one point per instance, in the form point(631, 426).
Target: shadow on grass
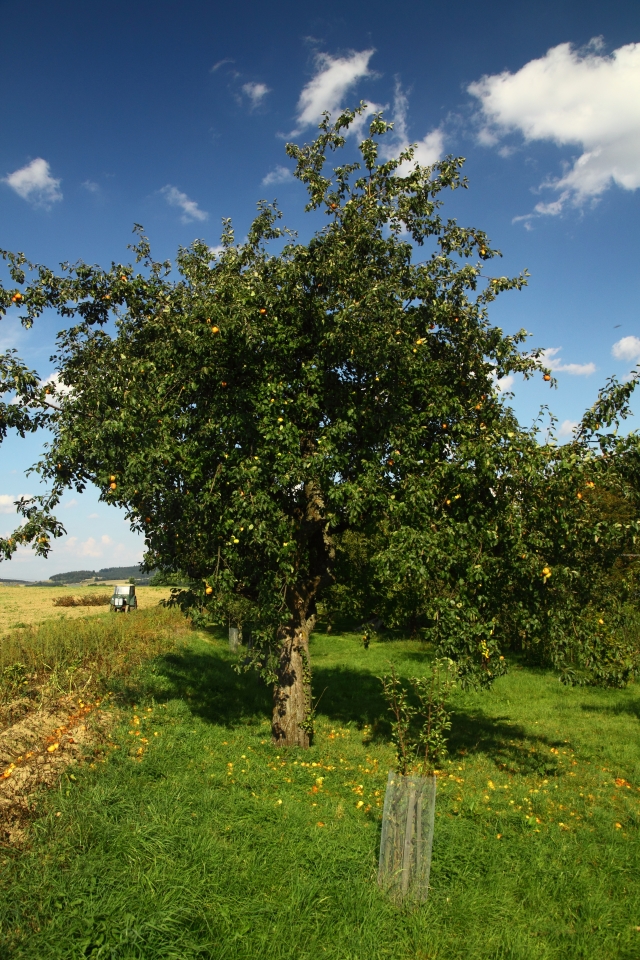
point(353, 696)
point(631, 709)
point(215, 693)
point(344, 626)
point(508, 744)
point(209, 686)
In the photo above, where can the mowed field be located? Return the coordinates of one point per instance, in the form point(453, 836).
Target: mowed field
point(23, 606)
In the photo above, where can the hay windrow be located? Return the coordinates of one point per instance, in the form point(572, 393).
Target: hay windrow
point(37, 749)
point(88, 600)
point(54, 677)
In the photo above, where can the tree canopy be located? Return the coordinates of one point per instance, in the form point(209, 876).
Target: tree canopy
point(322, 421)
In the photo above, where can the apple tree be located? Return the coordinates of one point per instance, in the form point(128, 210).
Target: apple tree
point(257, 410)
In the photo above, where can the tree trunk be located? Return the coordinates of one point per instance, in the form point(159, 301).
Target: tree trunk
point(290, 725)
point(292, 717)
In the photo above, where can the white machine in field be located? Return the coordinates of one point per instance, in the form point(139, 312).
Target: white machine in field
point(124, 599)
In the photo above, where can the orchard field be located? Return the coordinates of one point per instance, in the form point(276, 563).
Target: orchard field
point(180, 832)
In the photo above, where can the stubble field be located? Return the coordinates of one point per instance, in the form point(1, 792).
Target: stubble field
point(21, 606)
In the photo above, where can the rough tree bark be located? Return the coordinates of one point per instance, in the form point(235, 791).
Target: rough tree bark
point(290, 725)
point(291, 721)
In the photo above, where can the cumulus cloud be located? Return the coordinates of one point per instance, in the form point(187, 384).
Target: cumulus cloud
point(190, 209)
point(334, 77)
point(54, 380)
point(430, 149)
point(7, 501)
point(278, 175)
point(626, 349)
point(35, 183)
point(568, 428)
point(87, 548)
point(505, 383)
point(256, 92)
point(558, 365)
point(427, 151)
point(572, 97)
point(110, 551)
point(61, 389)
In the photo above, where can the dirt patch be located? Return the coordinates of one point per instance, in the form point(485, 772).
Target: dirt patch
point(35, 750)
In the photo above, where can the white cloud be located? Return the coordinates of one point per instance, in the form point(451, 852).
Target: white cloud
point(334, 77)
point(256, 92)
point(61, 390)
point(278, 175)
point(88, 548)
point(92, 516)
point(190, 209)
point(35, 183)
point(430, 149)
point(505, 383)
point(568, 428)
point(7, 501)
point(70, 504)
point(626, 349)
point(12, 333)
point(55, 381)
point(221, 63)
point(554, 363)
point(91, 186)
point(577, 98)
point(22, 555)
point(427, 151)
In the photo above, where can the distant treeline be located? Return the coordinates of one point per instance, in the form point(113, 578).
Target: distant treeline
point(106, 573)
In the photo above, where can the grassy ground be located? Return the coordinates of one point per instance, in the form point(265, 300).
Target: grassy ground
point(51, 658)
point(195, 839)
point(23, 606)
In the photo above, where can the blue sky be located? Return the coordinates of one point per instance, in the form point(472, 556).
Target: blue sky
point(176, 115)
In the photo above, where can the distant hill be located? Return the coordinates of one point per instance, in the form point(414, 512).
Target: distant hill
point(74, 576)
point(106, 573)
point(122, 573)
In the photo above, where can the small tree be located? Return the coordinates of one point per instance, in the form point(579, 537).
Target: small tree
point(420, 724)
point(256, 410)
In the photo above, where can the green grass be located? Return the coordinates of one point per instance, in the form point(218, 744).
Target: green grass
point(61, 656)
point(195, 839)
